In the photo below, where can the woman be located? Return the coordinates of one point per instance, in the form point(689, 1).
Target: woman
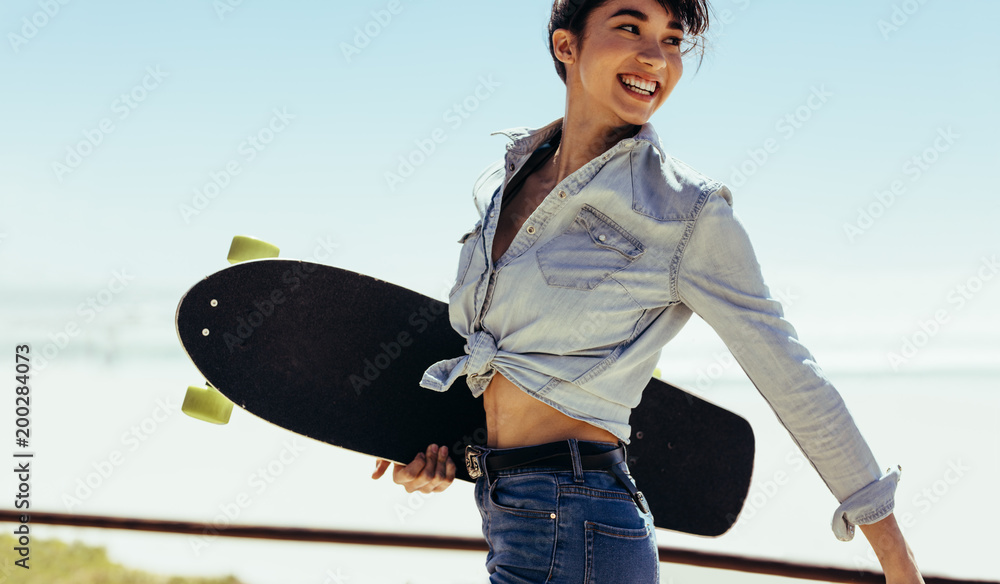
point(593, 249)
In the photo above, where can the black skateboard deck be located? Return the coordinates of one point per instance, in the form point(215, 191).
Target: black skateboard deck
point(337, 356)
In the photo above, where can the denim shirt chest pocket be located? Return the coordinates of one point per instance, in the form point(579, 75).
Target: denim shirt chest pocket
point(593, 248)
point(469, 241)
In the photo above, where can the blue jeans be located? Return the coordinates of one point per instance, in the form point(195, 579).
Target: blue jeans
point(545, 524)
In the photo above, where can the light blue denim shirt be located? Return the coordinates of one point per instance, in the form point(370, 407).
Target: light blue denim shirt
point(605, 271)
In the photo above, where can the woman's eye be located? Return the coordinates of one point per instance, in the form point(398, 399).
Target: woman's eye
point(672, 41)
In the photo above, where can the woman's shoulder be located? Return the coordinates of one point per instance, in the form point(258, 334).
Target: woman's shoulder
point(668, 189)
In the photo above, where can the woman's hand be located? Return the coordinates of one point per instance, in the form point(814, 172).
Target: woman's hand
point(428, 473)
point(895, 555)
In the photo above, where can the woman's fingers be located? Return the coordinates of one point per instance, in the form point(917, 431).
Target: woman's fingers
point(405, 475)
point(380, 466)
point(446, 474)
point(442, 464)
point(430, 471)
point(430, 467)
point(425, 480)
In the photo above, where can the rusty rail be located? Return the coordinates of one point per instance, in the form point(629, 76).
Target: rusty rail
point(674, 556)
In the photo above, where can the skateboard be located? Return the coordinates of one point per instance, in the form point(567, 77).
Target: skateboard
point(337, 356)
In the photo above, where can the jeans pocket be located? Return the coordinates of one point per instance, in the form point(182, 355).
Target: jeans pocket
point(620, 554)
point(583, 256)
point(522, 526)
point(525, 495)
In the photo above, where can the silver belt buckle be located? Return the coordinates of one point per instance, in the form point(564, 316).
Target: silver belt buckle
point(473, 462)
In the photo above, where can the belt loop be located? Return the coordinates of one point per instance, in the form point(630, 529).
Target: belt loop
point(486, 471)
point(574, 454)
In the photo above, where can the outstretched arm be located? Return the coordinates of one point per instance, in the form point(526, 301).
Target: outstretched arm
point(720, 280)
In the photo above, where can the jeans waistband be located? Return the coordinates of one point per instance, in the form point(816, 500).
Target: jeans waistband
point(570, 454)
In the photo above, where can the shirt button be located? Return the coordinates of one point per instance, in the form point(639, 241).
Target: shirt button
point(511, 167)
point(531, 229)
point(562, 194)
point(602, 237)
point(491, 213)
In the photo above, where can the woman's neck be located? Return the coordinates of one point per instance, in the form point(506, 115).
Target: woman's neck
point(583, 139)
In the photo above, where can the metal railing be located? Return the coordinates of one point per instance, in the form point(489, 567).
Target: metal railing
point(674, 556)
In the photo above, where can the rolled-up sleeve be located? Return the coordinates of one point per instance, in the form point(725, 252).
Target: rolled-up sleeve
point(719, 278)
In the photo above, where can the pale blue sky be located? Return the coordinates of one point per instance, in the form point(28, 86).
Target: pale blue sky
point(325, 175)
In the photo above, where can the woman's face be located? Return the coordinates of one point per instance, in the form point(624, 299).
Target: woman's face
point(626, 42)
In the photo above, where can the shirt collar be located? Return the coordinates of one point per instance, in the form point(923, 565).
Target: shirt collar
point(525, 140)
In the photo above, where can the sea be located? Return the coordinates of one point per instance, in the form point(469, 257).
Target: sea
point(108, 438)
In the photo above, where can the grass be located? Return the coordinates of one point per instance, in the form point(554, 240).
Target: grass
point(57, 562)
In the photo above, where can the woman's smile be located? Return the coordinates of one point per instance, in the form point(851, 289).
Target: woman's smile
point(642, 89)
point(625, 66)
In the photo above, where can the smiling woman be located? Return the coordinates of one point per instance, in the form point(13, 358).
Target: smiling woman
point(589, 220)
point(689, 18)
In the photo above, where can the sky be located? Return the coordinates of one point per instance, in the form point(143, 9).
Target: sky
point(221, 74)
point(136, 138)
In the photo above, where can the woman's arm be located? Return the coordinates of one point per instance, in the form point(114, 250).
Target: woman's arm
point(892, 551)
point(719, 278)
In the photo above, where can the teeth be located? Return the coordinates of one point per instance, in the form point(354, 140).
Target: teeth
point(646, 87)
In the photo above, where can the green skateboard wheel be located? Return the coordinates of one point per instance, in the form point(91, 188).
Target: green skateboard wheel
point(207, 404)
point(246, 248)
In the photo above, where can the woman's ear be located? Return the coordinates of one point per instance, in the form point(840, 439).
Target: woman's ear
point(564, 46)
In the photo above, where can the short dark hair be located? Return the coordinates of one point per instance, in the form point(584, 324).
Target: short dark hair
point(572, 15)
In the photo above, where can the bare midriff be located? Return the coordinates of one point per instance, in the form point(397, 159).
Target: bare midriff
point(514, 418)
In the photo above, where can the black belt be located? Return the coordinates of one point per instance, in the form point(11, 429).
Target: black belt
point(553, 454)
